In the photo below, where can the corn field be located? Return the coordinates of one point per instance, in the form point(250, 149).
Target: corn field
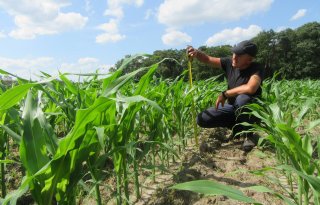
point(70, 136)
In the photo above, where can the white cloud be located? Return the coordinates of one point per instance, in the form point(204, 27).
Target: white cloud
point(115, 7)
point(87, 60)
point(111, 32)
point(26, 67)
point(31, 67)
point(300, 13)
point(175, 38)
point(281, 28)
point(233, 36)
point(110, 29)
point(109, 38)
point(84, 65)
point(41, 17)
point(117, 13)
point(177, 13)
point(2, 34)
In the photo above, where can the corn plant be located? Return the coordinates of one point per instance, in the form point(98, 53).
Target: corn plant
point(280, 120)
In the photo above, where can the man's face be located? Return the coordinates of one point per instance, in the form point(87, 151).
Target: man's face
point(241, 61)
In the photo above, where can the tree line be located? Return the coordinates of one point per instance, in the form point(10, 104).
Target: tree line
point(293, 53)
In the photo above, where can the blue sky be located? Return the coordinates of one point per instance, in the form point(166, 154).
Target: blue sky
point(85, 35)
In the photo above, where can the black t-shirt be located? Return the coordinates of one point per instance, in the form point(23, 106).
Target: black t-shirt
point(236, 77)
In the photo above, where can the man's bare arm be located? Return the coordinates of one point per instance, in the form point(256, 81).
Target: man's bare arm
point(202, 57)
point(249, 88)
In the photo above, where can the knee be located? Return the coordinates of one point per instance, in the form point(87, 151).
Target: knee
point(201, 121)
point(242, 100)
point(207, 118)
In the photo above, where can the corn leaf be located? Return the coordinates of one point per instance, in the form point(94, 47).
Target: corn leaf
point(115, 85)
point(68, 155)
point(313, 124)
point(312, 180)
point(145, 80)
point(33, 145)
point(12, 96)
point(11, 133)
point(213, 188)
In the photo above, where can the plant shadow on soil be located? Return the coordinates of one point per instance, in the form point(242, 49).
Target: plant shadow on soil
point(224, 163)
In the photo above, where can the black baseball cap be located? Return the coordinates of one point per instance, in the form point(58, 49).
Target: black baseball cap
point(246, 47)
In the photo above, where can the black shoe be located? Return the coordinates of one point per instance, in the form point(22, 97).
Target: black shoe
point(249, 143)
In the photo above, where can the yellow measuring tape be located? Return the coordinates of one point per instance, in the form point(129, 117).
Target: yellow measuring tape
point(195, 128)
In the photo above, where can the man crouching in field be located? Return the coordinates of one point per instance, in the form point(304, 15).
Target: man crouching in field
point(244, 77)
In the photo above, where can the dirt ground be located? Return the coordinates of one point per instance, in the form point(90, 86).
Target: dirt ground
point(224, 163)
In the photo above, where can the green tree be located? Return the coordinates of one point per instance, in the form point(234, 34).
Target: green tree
point(204, 71)
point(266, 42)
point(308, 49)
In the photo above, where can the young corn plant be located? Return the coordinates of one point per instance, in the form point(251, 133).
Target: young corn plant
point(280, 120)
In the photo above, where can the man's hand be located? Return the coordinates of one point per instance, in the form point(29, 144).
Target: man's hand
point(191, 52)
point(221, 99)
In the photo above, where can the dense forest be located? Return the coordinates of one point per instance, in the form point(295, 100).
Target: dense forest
point(293, 53)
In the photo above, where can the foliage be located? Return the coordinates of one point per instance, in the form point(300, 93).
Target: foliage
point(292, 52)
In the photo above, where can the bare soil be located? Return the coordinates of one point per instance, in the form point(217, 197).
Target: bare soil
point(225, 163)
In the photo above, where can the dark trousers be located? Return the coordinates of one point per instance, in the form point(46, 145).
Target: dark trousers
point(227, 116)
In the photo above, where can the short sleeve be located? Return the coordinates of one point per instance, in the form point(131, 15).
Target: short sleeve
point(259, 71)
point(225, 63)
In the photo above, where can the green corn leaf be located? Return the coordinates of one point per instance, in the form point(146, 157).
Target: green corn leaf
point(19, 78)
point(68, 154)
point(7, 161)
point(277, 113)
point(306, 145)
point(45, 74)
point(12, 198)
point(111, 78)
point(11, 133)
point(33, 145)
point(115, 85)
point(128, 60)
point(261, 172)
point(213, 188)
point(88, 74)
point(114, 79)
point(304, 110)
point(294, 140)
point(12, 96)
point(165, 146)
point(145, 80)
point(139, 98)
point(101, 136)
point(312, 180)
point(33, 150)
point(263, 189)
point(318, 144)
point(313, 124)
point(88, 146)
point(69, 85)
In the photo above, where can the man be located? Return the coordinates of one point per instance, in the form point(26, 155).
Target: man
point(244, 77)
